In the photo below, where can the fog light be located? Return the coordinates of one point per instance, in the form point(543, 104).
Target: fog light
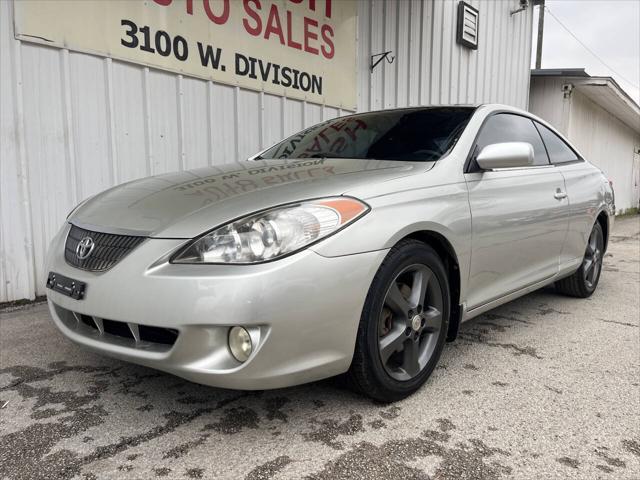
point(240, 343)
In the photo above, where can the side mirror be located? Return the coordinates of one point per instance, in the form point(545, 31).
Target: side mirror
point(505, 155)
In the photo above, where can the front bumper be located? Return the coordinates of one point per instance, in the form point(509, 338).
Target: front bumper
point(302, 311)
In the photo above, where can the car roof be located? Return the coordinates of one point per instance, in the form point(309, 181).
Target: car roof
point(470, 106)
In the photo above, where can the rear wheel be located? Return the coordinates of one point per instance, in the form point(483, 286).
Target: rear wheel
point(585, 280)
point(403, 325)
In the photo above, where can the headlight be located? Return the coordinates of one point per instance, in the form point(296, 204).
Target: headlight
point(273, 233)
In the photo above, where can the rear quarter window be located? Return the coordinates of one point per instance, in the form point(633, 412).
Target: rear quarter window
point(559, 151)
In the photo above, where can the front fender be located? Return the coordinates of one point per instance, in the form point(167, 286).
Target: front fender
point(441, 209)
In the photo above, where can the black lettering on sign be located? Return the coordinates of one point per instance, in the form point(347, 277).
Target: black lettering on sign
point(160, 42)
point(209, 55)
point(180, 48)
point(163, 43)
point(146, 40)
point(132, 29)
point(242, 64)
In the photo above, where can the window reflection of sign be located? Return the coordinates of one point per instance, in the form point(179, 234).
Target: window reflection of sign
point(334, 137)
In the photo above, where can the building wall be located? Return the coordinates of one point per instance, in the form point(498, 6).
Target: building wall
point(609, 144)
point(73, 124)
point(547, 101)
point(430, 68)
point(600, 137)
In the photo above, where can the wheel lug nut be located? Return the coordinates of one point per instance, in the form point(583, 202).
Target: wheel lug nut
point(423, 322)
point(407, 331)
point(419, 308)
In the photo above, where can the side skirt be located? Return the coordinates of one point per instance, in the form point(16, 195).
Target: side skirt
point(469, 314)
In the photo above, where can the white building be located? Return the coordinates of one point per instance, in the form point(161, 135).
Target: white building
point(96, 94)
point(599, 118)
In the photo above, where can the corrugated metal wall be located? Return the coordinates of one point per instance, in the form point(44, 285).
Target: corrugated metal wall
point(430, 68)
point(608, 143)
point(73, 124)
point(547, 100)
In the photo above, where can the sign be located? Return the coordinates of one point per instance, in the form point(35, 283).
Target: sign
point(304, 49)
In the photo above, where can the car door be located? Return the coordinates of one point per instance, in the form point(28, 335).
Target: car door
point(583, 182)
point(519, 215)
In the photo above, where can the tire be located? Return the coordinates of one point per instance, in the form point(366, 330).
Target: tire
point(410, 344)
point(584, 281)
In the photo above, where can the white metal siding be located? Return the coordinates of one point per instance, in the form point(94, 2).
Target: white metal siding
point(430, 68)
point(607, 143)
point(73, 124)
point(547, 101)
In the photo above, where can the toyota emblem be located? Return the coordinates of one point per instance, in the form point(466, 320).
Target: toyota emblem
point(84, 248)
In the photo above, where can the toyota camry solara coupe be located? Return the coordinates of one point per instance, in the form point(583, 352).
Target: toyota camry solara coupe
point(355, 247)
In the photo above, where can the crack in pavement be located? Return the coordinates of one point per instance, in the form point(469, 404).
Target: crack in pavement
point(24, 453)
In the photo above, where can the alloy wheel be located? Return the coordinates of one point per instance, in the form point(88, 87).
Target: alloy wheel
point(592, 262)
point(409, 323)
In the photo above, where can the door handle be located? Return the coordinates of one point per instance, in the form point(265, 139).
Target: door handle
point(559, 195)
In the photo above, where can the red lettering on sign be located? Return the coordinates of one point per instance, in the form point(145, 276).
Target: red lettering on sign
point(300, 32)
point(290, 41)
point(274, 25)
point(220, 19)
point(310, 35)
point(312, 6)
point(328, 50)
point(255, 31)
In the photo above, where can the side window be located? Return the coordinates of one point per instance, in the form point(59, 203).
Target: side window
point(558, 150)
point(505, 127)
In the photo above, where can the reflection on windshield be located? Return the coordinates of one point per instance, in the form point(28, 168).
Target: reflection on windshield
point(411, 135)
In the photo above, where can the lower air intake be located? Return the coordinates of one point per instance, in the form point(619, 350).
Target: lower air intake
point(122, 333)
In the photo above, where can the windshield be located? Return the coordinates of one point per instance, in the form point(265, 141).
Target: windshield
point(422, 135)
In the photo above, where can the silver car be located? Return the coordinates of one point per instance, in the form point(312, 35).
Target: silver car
point(356, 247)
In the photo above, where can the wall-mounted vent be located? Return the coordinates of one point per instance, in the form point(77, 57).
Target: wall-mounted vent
point(467, 34)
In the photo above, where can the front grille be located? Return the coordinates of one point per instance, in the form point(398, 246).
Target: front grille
point(109, 249)
point(122, 333)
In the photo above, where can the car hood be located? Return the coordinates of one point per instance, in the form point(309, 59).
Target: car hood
point(186, 204)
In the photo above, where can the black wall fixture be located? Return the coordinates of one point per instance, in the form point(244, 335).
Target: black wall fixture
point(378, 57)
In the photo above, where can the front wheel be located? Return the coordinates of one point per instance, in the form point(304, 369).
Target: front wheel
point(585, 280)
point(404, 323)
